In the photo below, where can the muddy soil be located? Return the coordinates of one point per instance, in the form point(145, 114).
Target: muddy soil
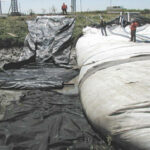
point(9, 55)
point(6, 98)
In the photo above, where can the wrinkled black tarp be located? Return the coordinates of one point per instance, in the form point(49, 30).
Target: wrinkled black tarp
point(36, 76)
point(47, 121)
point(49, 39)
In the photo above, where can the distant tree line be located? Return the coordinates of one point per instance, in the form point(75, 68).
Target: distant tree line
point(145, 11)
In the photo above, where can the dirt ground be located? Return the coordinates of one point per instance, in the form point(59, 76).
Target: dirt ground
point(6, 97)
point(9, 55)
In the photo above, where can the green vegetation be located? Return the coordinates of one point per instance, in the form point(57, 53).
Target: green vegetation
point(13, 30)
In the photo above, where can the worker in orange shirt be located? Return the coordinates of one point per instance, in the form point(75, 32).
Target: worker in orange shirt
point(133, 27)
point(64, 8)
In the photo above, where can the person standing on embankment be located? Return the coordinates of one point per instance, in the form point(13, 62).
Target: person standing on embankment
point(103, 27)
point(133, 27)
point(64, 8)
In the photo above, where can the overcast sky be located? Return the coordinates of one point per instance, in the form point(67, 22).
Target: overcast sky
point(38, 5)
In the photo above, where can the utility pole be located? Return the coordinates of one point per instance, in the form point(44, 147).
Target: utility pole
point(110, 3)
point(14, 7)
point(19, 7)
point(73, 5)
point(0, 8)
point(81, 5)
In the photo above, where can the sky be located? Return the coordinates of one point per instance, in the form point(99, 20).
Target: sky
point(45, 6)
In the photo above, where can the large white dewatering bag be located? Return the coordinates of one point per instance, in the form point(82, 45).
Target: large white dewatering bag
point(114, 83)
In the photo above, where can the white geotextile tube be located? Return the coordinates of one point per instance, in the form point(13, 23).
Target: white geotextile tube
point(115, 85)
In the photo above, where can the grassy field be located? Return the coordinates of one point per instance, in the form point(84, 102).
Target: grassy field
point(13, 25)
point(18, 28)
point(13, 30)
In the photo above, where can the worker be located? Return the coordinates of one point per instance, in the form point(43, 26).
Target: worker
point(64, 8)
point(103, 27)
point(122, 21)
point(133, 27)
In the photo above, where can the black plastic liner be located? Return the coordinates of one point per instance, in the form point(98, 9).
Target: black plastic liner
point(49, 39)
point(47, 121)
point(36, 76)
